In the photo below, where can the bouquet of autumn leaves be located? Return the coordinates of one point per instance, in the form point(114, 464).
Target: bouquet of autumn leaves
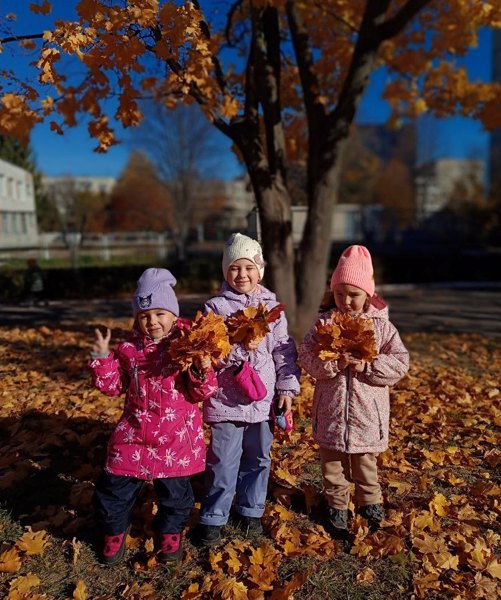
point(207, 338)
point(250, 325)
point(210, 336)
point(345, 334)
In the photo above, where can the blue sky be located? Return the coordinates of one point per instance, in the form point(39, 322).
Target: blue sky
point(73, 153)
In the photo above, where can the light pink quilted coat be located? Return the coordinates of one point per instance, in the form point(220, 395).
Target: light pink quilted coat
point(160, 432)
point(351, 411)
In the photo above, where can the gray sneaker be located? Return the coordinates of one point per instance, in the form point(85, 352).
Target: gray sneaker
point(338, 518)
point(374, 513)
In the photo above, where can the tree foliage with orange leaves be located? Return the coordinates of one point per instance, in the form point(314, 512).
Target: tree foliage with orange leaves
point(280, 78)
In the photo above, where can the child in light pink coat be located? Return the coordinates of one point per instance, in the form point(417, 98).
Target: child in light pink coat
point(351, 402)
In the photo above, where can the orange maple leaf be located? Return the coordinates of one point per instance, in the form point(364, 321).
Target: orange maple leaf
point(345, 333)
point(251, 324)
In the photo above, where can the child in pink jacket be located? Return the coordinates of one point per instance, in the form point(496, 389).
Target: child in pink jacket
point(159, 437)
point(351, 404)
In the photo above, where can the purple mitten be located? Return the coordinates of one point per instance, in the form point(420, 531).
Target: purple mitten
point(249, 382)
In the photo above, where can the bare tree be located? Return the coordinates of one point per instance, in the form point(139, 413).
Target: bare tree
point(184, 148)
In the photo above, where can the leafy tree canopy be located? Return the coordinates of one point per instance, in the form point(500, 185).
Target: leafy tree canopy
point(281, 78)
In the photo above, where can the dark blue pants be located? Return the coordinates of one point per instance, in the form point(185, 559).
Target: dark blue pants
point(116, 495)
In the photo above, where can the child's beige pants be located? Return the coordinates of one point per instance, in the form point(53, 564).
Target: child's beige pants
point(340, 470)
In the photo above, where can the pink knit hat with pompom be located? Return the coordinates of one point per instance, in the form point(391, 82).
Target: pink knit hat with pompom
point(355, 268)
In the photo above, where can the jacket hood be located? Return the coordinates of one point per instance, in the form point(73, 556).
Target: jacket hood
point(378, 309)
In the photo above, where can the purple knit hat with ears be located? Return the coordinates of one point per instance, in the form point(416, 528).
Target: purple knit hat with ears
point(154, 290)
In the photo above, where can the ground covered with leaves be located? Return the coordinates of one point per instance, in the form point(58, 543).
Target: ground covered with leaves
point(441, 477)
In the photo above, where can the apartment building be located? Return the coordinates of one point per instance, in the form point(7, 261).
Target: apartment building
point(18, 222)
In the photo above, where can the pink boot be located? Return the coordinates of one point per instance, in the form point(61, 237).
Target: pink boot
point(114, 548)
point(170, 549)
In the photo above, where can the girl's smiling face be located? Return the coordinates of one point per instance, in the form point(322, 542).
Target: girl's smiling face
point(243, 276)
point(349, 299)
point(156, 322)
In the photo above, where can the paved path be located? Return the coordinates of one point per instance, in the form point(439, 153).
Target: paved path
point(447, 310)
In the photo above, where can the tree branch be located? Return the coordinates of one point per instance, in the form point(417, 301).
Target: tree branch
point(267, 36)
point(204, 27)
point(398, 22)
point(20, 38)
point(304, 58)
point(229, 21)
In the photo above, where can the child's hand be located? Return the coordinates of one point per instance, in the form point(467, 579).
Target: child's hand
point(203, 365)
point(101, 346)
point(357, 365)
point(285, 402)
point(252, 344)
point(343, 361)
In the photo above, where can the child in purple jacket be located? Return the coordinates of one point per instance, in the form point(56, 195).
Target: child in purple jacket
point(351, 402)
point(159, 437)
point(238, 458)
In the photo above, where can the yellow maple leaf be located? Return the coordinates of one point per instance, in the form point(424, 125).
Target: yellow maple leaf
point(10, 561)
point(192, 592)
point(75, 547)
point(286, 476)
point(494, 568)
point(80, 591)
point(33, 542)
point(24, 584)
point(230, 589)
point(438, 505)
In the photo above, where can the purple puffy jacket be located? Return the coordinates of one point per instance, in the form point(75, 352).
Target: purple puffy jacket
point(274, 361)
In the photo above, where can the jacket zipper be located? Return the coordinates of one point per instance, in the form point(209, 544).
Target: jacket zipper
point(381, 433)
point(188, 433)
point(136, 380)
point(347, 409)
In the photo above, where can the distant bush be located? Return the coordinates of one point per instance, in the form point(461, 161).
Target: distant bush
point(198, 275)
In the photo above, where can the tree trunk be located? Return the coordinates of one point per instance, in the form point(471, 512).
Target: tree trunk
point(314, 252)
point(275, 216)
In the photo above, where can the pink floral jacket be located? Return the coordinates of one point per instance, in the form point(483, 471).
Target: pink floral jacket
point(160, 433)
point(351, 411)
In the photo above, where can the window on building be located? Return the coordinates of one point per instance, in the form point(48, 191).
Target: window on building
point(2, 185)
point(24, 223)
point(10, 188)
point(19, 190)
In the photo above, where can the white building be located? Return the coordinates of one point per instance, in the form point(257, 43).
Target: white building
point(18, 222)
point(437, 181)
point(96, 185)
point(239, 203)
